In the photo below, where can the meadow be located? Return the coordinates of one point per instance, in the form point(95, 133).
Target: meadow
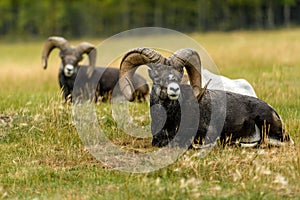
point(42, 156)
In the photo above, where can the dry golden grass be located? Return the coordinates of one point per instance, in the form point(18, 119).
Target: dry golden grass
point(43, 157)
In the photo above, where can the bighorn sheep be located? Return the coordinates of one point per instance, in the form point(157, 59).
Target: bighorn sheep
point(247, 120)
point(72, 55)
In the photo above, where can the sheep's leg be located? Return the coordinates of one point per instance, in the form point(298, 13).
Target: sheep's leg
point(272, 130)
point(158, 121)
point(161, 136)
point(66, 94)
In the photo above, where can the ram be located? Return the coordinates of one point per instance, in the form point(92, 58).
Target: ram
point(69, 68)
point(231, 117)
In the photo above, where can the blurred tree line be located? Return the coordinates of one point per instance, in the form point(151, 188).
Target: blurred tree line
point(94, 18)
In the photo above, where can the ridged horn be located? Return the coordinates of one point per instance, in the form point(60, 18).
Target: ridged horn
point(91, 51)
point(53, 42)
point(189, 59)
point(130, 62)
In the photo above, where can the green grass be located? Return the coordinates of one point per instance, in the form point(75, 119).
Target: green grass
point(43, 157)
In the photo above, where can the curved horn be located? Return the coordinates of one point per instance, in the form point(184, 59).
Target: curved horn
point(130, 62)
point(190, 59)
point(91, 51)
point(52, 43)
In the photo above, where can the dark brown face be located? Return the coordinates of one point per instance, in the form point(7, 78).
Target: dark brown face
point(166, 80)
point(70, 59)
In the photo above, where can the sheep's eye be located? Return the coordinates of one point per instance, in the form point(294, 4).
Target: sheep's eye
point(155, 81)
point(171, 77)
point(156, 88)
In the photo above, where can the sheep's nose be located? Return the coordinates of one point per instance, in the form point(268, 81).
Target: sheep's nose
point(173, 91)
point(69, 67)
point(69, 70)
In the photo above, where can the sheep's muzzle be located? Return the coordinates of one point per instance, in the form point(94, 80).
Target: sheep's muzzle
point(69, 70)
point(173, 91)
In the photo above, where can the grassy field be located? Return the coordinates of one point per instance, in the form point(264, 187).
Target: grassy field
point(42, 156)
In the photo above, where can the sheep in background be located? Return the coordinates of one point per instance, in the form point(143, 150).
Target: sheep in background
point(69, 68)
point(240, 118)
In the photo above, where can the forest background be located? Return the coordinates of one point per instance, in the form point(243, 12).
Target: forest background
point(27, 19)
